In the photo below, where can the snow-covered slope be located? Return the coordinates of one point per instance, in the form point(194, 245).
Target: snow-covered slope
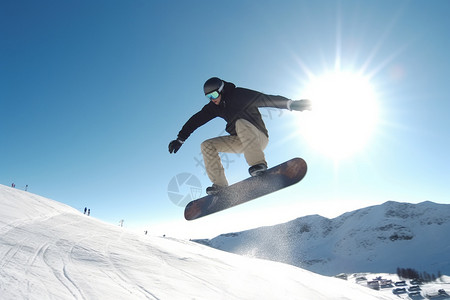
point(373, 239)
point(51, 251)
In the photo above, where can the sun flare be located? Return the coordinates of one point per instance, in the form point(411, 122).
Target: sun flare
point(344, 113)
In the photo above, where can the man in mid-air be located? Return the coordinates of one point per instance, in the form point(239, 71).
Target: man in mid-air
point(247, 131)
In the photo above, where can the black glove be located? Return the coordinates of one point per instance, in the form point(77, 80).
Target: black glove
point(301, 105)
point(175, 145)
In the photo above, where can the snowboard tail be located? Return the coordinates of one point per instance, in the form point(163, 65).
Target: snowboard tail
point(274, 179)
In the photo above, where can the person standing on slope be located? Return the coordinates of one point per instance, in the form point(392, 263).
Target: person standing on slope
point(247, 131)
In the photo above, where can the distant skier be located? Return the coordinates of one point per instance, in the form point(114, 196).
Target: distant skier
point(247, 131)
point(85, 210)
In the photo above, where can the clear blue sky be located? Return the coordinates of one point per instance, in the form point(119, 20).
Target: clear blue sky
point(91, 93)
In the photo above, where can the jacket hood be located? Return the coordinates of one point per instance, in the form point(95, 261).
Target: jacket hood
point(228, 87)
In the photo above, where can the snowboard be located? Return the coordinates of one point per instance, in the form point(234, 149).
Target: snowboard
point(273, 179)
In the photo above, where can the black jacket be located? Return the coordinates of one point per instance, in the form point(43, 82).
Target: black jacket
point(236, 103)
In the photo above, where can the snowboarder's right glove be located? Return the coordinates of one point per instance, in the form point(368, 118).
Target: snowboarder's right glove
point(175, 145)
point(300, 105)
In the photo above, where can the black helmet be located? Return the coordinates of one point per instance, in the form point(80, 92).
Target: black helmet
point(213, 84)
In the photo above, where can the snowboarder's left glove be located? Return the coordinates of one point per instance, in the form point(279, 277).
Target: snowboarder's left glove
point(175, 145)
point(300, 105)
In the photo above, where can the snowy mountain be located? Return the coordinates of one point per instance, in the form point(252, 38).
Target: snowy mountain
point(51, 251)
point(373, 239)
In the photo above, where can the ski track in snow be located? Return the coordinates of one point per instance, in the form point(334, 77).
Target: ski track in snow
point(122, 279)
point(48, 255)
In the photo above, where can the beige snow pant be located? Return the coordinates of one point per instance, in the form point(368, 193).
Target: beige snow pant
point(249, 140)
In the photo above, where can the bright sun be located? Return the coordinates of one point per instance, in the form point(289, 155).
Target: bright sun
point(344, 113)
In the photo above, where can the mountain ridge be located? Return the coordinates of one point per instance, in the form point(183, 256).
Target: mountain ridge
point(377, 238)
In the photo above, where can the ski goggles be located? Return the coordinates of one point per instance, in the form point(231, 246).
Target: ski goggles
point(215, 94)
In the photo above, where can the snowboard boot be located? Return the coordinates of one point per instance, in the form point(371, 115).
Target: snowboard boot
point(257, 170)
point(214, 189)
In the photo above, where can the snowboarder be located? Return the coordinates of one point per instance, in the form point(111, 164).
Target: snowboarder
point(247, 131)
